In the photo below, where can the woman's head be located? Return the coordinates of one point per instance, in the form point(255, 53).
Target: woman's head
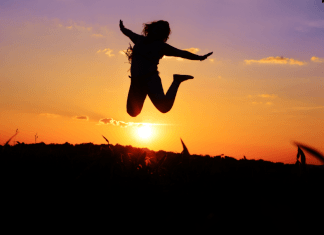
point(157, 30)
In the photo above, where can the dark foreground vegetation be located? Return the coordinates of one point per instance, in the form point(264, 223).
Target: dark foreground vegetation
point(124, 185)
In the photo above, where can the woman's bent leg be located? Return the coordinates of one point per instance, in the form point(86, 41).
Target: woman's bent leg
point(136, 97)
point(155, 91)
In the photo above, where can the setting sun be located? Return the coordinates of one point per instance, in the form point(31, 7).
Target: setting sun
point(144, 132)
point(257, 93)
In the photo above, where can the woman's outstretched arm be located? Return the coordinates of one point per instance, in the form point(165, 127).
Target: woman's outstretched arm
point(133, 36)
point(172, 51)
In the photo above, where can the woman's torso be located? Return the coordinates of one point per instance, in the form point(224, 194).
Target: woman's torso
point(146, 56)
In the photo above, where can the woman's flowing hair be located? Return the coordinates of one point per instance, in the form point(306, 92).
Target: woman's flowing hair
point(155, 31)
point(129, 53)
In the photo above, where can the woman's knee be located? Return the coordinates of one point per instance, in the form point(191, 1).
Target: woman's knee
point(133, 112)
point(163, 108)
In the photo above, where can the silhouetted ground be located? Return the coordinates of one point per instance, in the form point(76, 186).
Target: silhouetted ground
point(122, 185)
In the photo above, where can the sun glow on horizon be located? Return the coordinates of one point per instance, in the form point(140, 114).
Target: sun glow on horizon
point(144, 132)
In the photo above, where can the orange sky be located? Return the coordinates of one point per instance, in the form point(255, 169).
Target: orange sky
point(63, 70)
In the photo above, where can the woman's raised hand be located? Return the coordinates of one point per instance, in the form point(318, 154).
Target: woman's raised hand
point(121, 25)
point(205, 56)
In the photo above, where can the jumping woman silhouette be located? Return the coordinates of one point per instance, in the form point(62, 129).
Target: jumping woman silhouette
point(144, 58)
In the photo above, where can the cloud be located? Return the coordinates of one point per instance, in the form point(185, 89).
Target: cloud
point(82, 28)
point(211, 60)
point(273, 96)
point(107, 51)
point(316, 24)
point(50, 115)
point(309, 25)
point(293, 61)
point(262, 96)
point(122, 124)
point(111, 121)
point(266, 103)
point(167, 57)
point(95, 31)
point(76, 26)
point(308, 108)
point(97, 35)
point(192, 50)
point(276, 60)
point(82, 117)
point(317, 59)
point(269, 96)
point(122, 52)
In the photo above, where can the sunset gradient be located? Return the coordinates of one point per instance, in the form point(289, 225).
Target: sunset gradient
point(64, 75)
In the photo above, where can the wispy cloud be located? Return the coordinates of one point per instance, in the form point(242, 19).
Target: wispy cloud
point(90, 30)
point(254, 102)
point(269, 96)
point(192, 50)
point(75, 26)
point(123, 52)
point(107, 51)
point(263, 97)
point(111, 121)
point(272, 96)
point(309, 25)
point(167, 57)
point(307, 108)
point(265, 103)
point(317, 59)
point(50, 115)
point(82, 118)
point(276, 60)
point(97, 35)
point(315, 24)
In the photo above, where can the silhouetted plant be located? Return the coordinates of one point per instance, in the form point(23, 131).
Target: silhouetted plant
point(185, 151)
point(302, 165)
point(7, 143)
point(312, 151)
point(106, 139)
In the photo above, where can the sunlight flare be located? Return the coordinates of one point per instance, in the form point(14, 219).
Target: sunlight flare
point(144, 132)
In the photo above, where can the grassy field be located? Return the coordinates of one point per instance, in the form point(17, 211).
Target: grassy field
point(137, 184)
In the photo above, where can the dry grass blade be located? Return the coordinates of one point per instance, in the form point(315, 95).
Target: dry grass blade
point(312, 151)
point(185, 151)
point(301, 154)
point(7, 143)
point(106, 139)
point(161, 161)
point(141, 159)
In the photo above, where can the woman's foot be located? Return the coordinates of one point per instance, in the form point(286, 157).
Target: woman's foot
point(180, 78)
